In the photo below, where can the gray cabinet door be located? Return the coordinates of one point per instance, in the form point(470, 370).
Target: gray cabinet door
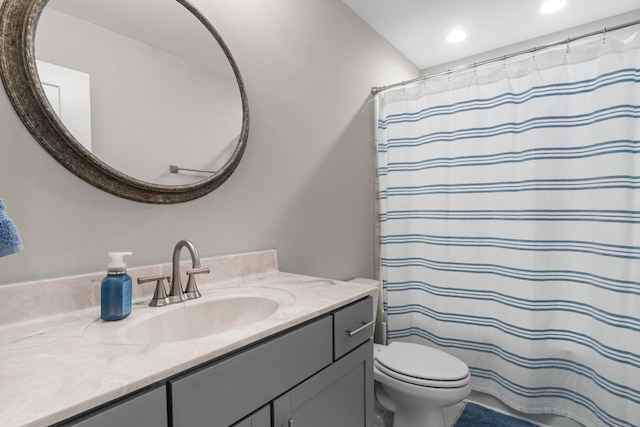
point(341, 395)
point(144, 409)
point(260, 418)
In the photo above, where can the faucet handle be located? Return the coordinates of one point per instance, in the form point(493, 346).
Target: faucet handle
point(160, 297)
point(191, 291)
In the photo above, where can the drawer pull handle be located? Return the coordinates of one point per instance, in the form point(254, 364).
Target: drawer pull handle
point(361, 328)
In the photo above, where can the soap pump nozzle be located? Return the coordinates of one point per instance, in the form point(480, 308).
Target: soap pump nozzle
point(117, 263)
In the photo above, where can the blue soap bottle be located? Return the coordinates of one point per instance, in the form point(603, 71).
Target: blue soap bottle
point(115, 289)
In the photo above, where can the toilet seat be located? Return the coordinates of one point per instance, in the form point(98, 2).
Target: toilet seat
point(423, 366)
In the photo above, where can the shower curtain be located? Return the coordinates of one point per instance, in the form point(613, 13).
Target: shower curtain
point(510, 226)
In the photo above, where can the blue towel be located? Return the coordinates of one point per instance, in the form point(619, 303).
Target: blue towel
point(10, 241)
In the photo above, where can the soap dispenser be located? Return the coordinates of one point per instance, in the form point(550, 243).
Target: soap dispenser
point(115, 289)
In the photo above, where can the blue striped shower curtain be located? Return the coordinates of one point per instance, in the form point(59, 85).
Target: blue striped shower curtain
point(510, 226)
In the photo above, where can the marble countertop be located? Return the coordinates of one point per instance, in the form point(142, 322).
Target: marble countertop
point(60, 362)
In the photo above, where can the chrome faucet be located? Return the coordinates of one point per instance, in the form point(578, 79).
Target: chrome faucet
point(176, 293)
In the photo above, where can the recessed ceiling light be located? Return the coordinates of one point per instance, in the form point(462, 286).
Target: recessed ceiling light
point(456, 36)
point(552, 6)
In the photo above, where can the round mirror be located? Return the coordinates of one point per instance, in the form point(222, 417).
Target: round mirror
point(140, 98)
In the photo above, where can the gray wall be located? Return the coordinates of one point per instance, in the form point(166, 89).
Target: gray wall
point(304, 186)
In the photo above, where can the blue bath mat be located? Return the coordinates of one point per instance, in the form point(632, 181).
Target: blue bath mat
point(478, 416)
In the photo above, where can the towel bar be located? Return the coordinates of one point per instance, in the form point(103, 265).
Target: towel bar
point(176, 169)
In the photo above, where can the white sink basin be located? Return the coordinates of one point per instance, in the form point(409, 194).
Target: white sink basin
point(197, 319)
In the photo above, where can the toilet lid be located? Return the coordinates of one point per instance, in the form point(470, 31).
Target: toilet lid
point(422, 365)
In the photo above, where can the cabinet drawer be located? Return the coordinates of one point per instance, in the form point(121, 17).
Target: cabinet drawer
point(144, 409)
point(352, 326)
point(224, 392)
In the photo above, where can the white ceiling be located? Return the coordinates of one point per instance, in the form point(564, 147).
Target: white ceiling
point(418, 28)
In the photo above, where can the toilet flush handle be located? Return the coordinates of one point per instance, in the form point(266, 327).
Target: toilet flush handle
point(361, 328)
point(290, 424)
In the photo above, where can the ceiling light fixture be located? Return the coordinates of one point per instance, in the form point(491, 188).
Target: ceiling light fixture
point(552, 6)
point(456, 36)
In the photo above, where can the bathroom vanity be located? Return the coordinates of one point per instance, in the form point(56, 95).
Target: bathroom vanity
point(312, 374)
point(308, 363)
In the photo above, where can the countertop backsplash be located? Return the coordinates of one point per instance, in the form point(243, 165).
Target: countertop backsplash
point(33, 300)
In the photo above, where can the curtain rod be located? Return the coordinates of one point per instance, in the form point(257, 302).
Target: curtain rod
point(377, 90)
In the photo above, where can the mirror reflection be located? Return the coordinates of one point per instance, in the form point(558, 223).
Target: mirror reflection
point(141, 84)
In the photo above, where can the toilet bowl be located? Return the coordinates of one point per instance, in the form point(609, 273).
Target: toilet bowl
point(416, 382)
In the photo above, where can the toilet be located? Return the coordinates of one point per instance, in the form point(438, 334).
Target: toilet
point(416, 382)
